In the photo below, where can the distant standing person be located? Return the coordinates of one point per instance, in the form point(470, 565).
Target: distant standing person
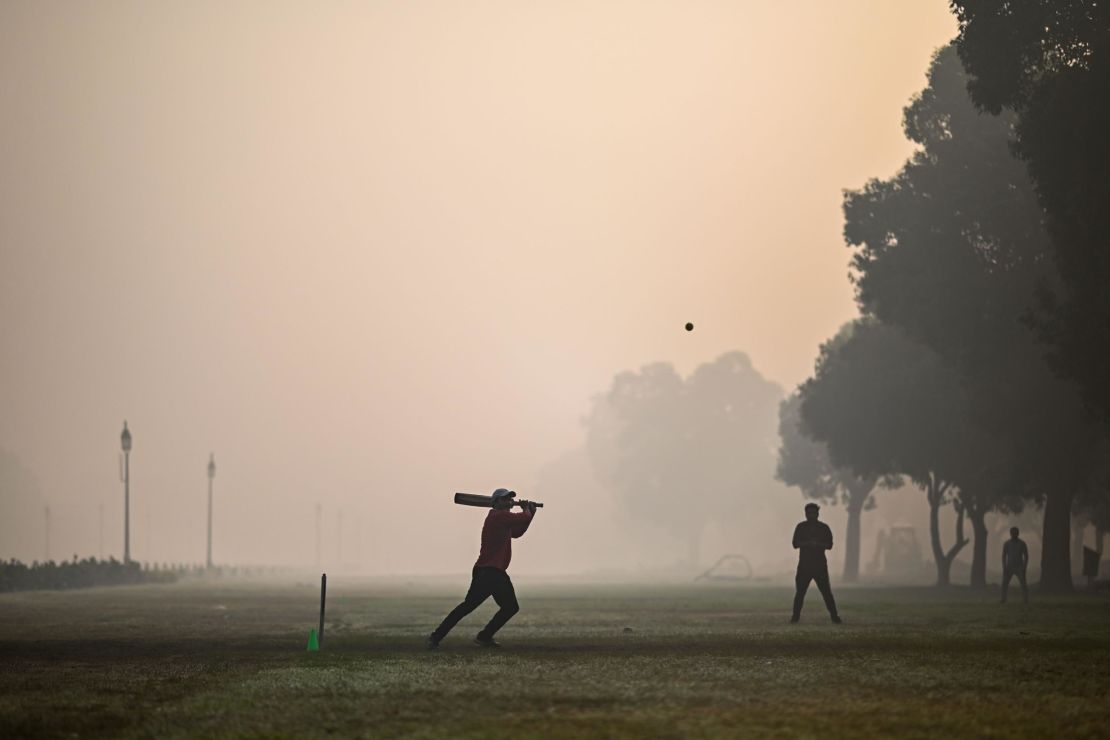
point(1015, 556)
point(489, 577)
point(811, 539)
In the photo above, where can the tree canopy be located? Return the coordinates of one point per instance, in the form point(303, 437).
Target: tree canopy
point(886, 404)
point(1046, 64)
point(953, 250)
point(682, 451)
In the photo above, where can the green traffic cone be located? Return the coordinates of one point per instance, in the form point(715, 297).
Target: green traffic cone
point(313, 644)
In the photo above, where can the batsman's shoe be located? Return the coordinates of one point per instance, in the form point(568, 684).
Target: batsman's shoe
point(794, 619)
point(431, 642)
point(836, 619)
point(486, 642)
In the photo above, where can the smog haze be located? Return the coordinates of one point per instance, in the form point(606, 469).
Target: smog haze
point(370, 254)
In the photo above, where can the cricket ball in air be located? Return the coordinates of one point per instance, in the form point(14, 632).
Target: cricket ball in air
point(689, 326)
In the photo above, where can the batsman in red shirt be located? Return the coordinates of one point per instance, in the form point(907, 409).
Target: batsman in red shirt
point(489, 577)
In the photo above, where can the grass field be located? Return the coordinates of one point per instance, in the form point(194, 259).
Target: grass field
point(229, 659)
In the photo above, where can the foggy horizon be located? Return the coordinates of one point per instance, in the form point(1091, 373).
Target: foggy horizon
point(368, 256)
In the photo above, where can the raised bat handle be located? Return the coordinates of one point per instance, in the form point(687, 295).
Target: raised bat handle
point(475, 499)
point(521, 504)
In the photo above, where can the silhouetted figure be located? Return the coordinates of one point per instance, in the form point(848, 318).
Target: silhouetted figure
point(1015, 556)
point(489, 577)
point(811, 539)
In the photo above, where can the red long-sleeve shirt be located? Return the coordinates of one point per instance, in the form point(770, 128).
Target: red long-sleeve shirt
point(497, 537)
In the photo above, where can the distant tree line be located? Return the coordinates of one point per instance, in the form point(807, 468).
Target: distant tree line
point(17, 576)
point(982, 270)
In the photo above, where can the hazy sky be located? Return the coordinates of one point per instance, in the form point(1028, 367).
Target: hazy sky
point(373, 253)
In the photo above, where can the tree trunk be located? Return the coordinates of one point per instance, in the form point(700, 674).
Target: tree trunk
point(1078, 525)
point(979, 548)
point(944, 572)
point(935, 492)
point(1056, 543)
point(851, 541)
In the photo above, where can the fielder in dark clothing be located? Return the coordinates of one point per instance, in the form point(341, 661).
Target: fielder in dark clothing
point(811, 539)
point(489, 577)
point(1015, 556)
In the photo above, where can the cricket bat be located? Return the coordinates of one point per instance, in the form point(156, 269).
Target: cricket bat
point(476, 499)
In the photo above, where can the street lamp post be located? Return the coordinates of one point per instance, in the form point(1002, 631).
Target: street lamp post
point(211, 475)
point(125, 442)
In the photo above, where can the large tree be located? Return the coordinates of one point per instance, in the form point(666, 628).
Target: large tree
point(1048, 61)
point(952, 249)
point(804, 463)
point(682, 452)
point(886, 405)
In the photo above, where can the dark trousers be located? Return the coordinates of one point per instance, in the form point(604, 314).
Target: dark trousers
point(1009, 573)
point(484, 582)
point(813, 572)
